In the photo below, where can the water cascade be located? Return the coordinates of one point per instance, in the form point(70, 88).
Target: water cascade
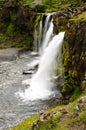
point(44, 34)
point(48, 37)
point(35, 47)
point(42, 85)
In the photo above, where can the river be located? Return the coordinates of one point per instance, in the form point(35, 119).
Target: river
point(13, 109)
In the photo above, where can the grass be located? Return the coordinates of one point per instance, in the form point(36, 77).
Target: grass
point(79, 18)
point(3, 37)
point(58, 121)
point(66, 120)
point(50, 124)
point(55, 5)
point(25, 124)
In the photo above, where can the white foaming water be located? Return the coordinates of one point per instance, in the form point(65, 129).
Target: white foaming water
point(40, 32)
point(45, 34)
point(42, 85)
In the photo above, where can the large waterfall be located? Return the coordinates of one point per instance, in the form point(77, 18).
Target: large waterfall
point(42, 84)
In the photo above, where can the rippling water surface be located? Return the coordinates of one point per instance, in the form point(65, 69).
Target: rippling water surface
point(13, 109)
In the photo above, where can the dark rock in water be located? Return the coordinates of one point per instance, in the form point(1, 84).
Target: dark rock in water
point(36, 66)
point(30, 71)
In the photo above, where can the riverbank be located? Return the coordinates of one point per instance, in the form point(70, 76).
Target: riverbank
point(9, 54)
point(59, 117)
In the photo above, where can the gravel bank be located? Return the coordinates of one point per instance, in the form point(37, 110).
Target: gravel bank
point(9, 54)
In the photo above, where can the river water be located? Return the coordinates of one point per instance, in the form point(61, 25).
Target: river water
point(13, 109)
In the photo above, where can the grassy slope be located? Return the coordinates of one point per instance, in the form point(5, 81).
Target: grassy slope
point(64, 117)
point(25, 124)
point(55, 5)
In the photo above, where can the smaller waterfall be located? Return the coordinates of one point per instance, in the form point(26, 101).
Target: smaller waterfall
point(40, 32)
point(46, 26)
point(42, 85)
point(48, 37)
point(43, 35)
point(35, 42)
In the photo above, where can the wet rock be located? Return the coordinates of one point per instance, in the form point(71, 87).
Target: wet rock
point(63, 111)
point(25, 72)
point(43, 116)
point(82, 100)
point(30, 71)
point(69, 11)
point(81, 104)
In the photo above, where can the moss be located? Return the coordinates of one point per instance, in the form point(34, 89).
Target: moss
point(61, 24)
point(3, 27)
point(13, 15)
point(24, 42)
point(39, 8)
point(38, 17)
point(76, 93)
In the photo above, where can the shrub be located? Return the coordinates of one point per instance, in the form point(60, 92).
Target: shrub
point(10, 30)
point(39, 8)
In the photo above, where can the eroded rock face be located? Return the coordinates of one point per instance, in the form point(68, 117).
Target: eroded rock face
point(75, 58)
point(25, 20)
point(69, 11)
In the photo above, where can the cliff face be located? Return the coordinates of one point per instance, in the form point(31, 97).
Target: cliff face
point(72, 20)
point(16, 26)
point(75, 59)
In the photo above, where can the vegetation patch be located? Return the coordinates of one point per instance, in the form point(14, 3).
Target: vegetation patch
point(25, 124)
point(79, 18)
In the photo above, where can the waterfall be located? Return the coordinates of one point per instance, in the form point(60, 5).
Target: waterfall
point(46, 25)
point(48, 37)
point(35, 46)
point(45, 34)
point(40, 32)
point(42, 84)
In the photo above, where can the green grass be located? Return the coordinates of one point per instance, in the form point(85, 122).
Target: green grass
point(50, 124)
point(76, 93)
point(55, 5)
point(78, 18)
point(3, 37)
point(10, 30)
point(25, 124)
point(59, 121)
